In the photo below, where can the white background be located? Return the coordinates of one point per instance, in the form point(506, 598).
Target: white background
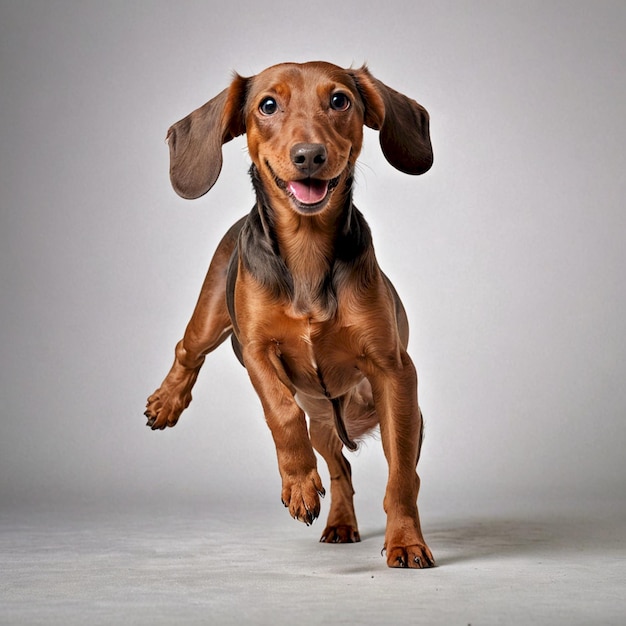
point(509, 254)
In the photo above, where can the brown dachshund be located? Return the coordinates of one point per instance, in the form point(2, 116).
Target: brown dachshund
point(318, 326)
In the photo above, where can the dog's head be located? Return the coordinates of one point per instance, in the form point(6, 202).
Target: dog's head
point(304, 125)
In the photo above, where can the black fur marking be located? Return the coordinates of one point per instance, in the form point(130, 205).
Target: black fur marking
point(354, 260)
point(231, 279)
point(258, 246)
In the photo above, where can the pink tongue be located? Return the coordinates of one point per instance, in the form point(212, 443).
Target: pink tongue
point(308, 191)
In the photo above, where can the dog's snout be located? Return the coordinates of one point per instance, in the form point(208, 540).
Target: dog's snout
point(308, 157)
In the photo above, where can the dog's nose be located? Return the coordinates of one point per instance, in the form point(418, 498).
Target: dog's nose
point(308, 157)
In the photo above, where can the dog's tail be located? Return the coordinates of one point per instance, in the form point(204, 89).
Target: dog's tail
point(340, 424)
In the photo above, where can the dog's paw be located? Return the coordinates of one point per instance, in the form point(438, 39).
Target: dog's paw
point(340, 534)
point(416, 556)
point(164, 408)
point(301, 495)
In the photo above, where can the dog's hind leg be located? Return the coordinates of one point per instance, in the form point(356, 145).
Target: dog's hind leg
point(341, 526)
point(208, 327)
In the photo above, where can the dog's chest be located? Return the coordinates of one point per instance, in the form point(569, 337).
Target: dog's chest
point(319, 358)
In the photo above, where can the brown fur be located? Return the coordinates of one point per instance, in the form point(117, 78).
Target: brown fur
point(314, 320)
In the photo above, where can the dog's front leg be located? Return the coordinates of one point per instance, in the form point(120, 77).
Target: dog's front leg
point(209, 326)
point(395, 396)
point(301, 484)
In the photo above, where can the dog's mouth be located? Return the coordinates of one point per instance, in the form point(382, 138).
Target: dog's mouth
point(308, 195)
point(309, 191)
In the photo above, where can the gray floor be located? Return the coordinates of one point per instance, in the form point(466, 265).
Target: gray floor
point(117, 564)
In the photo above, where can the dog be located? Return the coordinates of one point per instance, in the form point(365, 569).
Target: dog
point(296, 285)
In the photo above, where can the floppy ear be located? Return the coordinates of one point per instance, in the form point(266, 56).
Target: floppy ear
point(196, 141)
point(402, 122)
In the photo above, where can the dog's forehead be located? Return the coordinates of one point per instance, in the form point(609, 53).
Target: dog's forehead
point(293, 78)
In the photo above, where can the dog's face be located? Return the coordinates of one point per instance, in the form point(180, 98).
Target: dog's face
point(305, 131)
point(304, 124)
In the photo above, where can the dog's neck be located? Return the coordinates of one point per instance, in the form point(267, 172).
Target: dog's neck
point(309, 248)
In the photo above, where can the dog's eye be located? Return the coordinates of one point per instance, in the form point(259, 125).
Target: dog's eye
point(339, 101)
point(268, 106)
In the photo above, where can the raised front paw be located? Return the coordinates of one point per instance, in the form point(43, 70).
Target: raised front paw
point(173, 396)
point(163, 409)
point(301, 495)
point(417, 556)
point(166, 404)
